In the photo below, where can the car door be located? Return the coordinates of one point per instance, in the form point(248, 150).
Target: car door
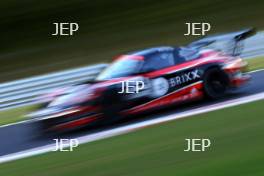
point(155, 64)
point(169, 71)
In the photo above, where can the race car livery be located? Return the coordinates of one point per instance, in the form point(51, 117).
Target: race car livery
point(147, 80)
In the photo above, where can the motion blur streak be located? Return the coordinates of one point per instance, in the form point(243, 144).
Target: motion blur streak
point(107, 27)
point(133, 127)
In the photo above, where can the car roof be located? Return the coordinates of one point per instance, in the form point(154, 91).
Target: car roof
point(149, 51)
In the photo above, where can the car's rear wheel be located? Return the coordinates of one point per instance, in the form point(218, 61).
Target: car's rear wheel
point(215, 83)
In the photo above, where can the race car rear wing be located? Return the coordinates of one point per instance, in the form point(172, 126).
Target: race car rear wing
point(229, 43)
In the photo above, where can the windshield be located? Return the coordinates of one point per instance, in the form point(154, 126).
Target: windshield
point(121, 68)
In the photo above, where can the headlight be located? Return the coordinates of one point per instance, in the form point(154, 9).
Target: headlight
point(49, 114)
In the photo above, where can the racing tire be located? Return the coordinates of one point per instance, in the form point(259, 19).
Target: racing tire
point(215, 83)
point(112, 105)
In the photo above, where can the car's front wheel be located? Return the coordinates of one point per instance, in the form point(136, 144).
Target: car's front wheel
point(111, 103)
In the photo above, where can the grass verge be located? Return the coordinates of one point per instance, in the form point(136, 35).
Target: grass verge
point(14, 115)
point(256, 63)
point(236, 134)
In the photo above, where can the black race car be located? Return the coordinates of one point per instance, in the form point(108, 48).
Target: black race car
point(147, 80)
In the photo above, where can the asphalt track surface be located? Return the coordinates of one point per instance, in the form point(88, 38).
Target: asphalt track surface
point(24, 136)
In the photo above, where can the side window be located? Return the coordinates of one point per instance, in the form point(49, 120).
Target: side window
point(178, 57)
point(185, 54)
point(158, 61)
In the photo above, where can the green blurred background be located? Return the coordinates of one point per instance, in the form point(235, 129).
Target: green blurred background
point(107, 28)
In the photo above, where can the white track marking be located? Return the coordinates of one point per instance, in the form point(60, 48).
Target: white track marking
point(133, 127)
point(15, 123)
point(262, 69)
